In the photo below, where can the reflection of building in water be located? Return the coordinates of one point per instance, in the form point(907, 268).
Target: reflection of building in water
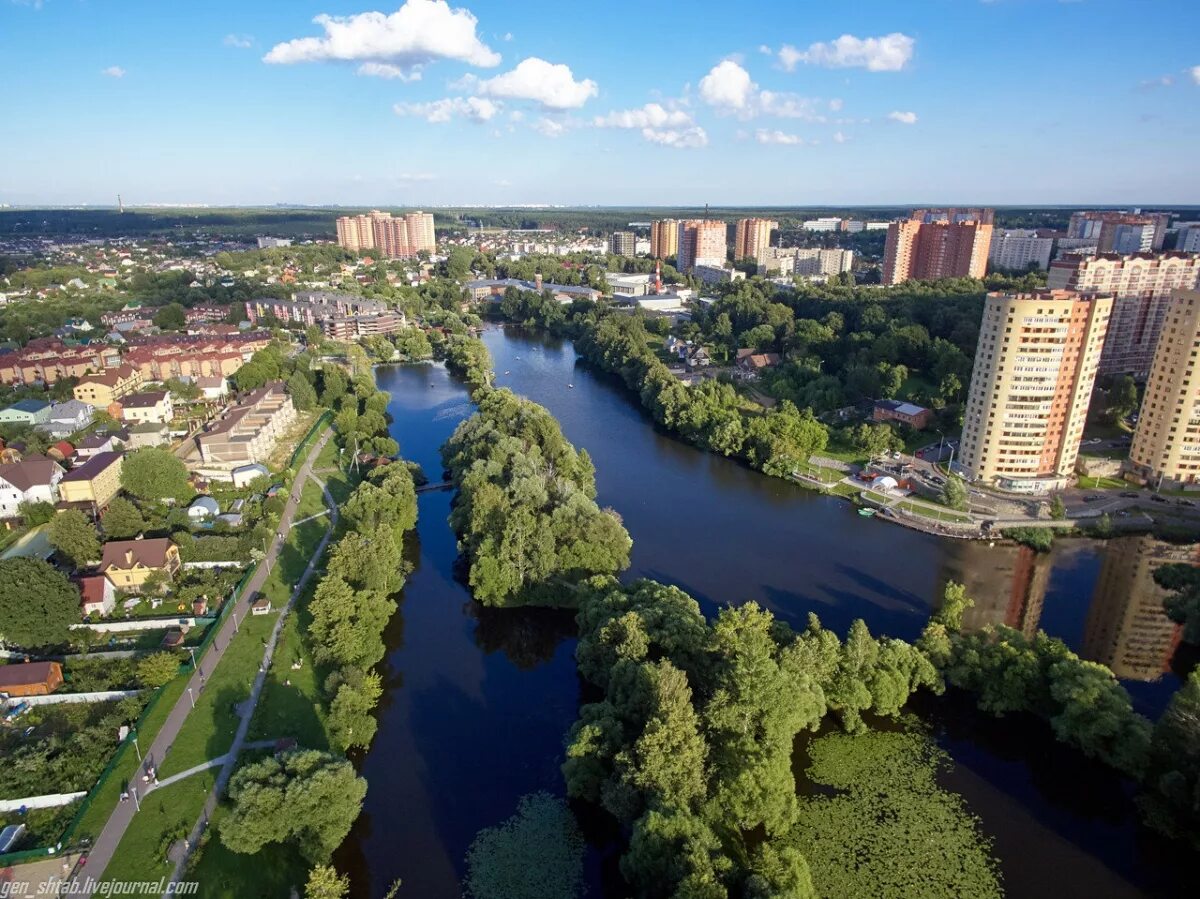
point(1008, 585)
point(1126, 627)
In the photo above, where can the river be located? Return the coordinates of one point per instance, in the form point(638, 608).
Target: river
point(477, 701)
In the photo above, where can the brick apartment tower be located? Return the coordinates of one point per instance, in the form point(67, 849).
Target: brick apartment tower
point(752, 237)
point(396, 237)
point(1035, 367)
point(701, 242)
point(938, 243)
point(664, 238)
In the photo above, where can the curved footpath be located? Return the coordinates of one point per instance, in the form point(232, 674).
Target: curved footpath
point(109, 839)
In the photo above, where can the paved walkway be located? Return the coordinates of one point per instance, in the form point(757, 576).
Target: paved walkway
point(118, 822)
point(231, 758)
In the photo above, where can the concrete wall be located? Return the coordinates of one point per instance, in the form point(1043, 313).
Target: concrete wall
point(50, 800)
point(60, 698)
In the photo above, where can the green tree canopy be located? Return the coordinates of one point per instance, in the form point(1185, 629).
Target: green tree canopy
point(73, 534)
point(37, 603)
point(122, 519)
point(155, 474)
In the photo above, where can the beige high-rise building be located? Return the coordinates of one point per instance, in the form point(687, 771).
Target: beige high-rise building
point(664, 238)
point(1034, 370)
point(622, 243)
point(1126, 627)
point(938, 243)
point(701, 242)
point(752, 237)
point(1141, 284)
point(399, 237)
point(1166, 445)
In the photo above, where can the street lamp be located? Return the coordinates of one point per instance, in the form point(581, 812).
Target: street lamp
point(137, 748)
point(136, 802)
point(193, 653)
point(191, 697)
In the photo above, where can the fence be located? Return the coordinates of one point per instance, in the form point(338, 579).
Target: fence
point(322, 420)
point(59, 698)
point(50, 800)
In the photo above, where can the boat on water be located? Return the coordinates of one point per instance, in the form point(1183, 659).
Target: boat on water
point(866, 513)
point(570, 386)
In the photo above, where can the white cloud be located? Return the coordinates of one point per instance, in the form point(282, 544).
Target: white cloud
point(504, 182)
point(764, 136)
point(415, 176)
point(240, 41)
point(507, 36)
point(550, 84)
point(904, 118)
point(477, 109)
point(387, 70)
point(889, 53)
point(418, 33)
point(728, 86)
point(113, 72)
point(652, 115)
point(1195, 71)
point(835, 105)
point(839, 138)
point(680, 138)
point(548, 127)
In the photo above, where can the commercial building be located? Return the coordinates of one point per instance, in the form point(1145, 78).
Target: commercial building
point(1142, 284)
point(752, 237)
point(717, 274)
point(938, 243)
point(1120, 232)
point(829, 223)
point(664, 238)
point(249, 431)
point(94, 483)
point(1166, 445)
point(622, 243)
point(396, 237)
point(101, 390)
point(910, 414)
point(701, 242)
point(1017, 249)
point(1035, 366)
point(1126, 628)
point(494, 288)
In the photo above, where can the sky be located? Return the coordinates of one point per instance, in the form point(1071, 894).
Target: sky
point(493, 102)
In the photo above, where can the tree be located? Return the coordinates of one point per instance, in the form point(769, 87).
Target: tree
point(301, 391)
point(350, 722)
point(73, 534)
point(536, 854)
point(305, 797)
point(324, 882)
point(122, 519)
point(1122, 399)
point(954, 493)
point(155, 474)
point(37, 603)
point(36, 513)
point(1058, 511)
point(171, 317)
point(157, 669)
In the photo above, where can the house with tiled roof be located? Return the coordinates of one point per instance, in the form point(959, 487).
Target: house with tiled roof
point(32, 480)
point(151, 406)
point(97, 595)
point(112, 384)
point(128, 563)
point(94, 483)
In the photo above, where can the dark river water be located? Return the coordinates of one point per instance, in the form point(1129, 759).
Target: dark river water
point(477, 701)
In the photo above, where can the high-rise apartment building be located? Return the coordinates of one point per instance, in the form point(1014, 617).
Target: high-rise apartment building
point(1141, 284)
point(1017, 249)
point(623, 243)
point(1034, 370)
point(396, 237)
point(1126, 627)
point(1187, 237)
point(938, 243)
point(1120, 232)
point(701, 242)
point(1166, 445)
point(752, 237)
point(664, 238)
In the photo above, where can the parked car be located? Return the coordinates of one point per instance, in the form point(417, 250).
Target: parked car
point(1129, 494)
point(1185, 502)
point(1158, 499)
point(1092, 497)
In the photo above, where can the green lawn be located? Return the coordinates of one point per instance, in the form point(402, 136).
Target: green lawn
point(928, 511)
point(167, 815)
point(1087, 482)
point(106, 798)
point(274, 871)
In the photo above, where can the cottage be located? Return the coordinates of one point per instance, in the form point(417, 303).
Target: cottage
point(32, 480)
point(97, 595)
point(30, 678)
point(26, 412)
point(247, 474)
point(112, 384)
point(150, 407)
point(94, 483)
point(67, 418)
point(213, 388)
point(751, 364)
point(260, 606)
point(94, 444)
point(128, 563)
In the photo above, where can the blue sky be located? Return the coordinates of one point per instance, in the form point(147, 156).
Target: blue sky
point(488, 102)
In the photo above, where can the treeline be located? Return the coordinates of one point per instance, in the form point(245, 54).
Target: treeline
point(469, 358)
point(692, 743)
point(526, 512)
point(1085, 706)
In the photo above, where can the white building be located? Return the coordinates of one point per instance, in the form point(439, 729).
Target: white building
point(29, 481)
point(1017, 249)
point(717, 274)
point(1188, 237)
point(831, 223)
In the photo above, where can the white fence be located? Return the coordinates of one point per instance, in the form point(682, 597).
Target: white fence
point(230, 564)
point(60, 698)
point(50, 800)
point(138, 624)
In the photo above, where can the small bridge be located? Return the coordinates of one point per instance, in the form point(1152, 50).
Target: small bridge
point(430, 488)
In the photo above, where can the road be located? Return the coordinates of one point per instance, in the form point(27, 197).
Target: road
point(106, 843)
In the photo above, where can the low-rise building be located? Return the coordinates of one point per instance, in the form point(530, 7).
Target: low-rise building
point(30, 678)
point(26, 412)
point(151, 406)
point(906, 413)
point(101, 390)
point(94, 483)
point(32, 480)
point(67, 418)
point(104, 442)
point(249, 431)
point(213, 388)
point(751, 364)
point(97, 596)
point(128, 563)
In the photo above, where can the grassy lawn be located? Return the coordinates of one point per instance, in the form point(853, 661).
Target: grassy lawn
point(844, 453)
point(926, 511)
point(1087, 482)
point(226, 874)
point(106, 798)
point(167, 815)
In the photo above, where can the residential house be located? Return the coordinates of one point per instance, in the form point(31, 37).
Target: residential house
point(751, 364)
point(97, 595)
point(906, 413)
point(148, 433)
point(112, 384)
point(67, 418)
point(128, 563)
point(244, 475)
point(30, 678)
point(248, 432)
point(32, 480)
point(94, 483)
point(213, 388)
point(104, 442)
point(26, 412)
point(152, 406)
point(61, 451)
